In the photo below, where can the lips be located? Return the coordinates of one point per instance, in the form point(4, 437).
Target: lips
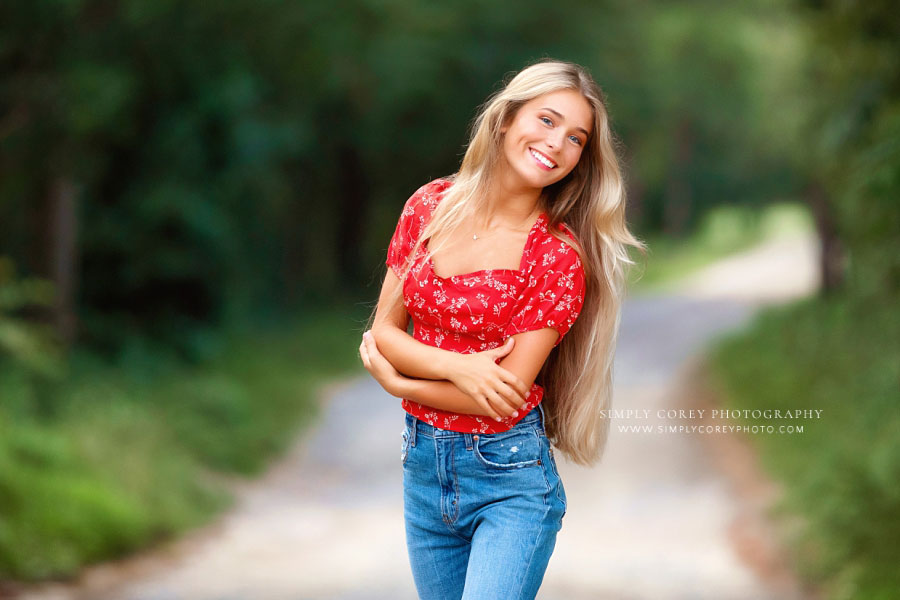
point(542, 159)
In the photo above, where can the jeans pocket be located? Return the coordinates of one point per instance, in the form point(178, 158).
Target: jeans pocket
point(404, 445)
point(560, 489)
point(519, 447)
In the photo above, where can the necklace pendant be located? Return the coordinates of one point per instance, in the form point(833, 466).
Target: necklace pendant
point(474, 236)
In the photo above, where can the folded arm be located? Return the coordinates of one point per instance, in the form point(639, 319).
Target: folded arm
point(464, 383)
point(408, 355)
point(524, 361)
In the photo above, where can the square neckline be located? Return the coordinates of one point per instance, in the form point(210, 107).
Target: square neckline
point(518, 271)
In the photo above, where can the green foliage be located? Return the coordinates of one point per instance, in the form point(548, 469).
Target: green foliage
point(840, 355)
point(687, 99)
point(28, 343)
point(869, 211)
point(66, 499)
point(842, 474)
point(852, 132)
point(139, 452)
point(223, 176)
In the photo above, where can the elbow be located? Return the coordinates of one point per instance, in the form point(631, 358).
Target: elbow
point(380, 329)
point(396, 321)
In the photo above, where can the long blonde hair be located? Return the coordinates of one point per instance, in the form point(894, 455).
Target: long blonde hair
point(590, 201)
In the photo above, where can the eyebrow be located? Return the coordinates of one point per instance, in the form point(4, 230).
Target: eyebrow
point(563, 118)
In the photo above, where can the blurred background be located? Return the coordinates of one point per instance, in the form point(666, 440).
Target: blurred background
point(196, 199)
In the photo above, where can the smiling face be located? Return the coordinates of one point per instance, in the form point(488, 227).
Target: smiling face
point(545, 139)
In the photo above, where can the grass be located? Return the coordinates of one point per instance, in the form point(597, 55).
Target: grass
point(141, 451)
point(842, 474)
point(723, 231)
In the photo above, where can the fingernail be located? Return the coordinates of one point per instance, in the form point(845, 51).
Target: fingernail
point(498, 419)
point(515, 413)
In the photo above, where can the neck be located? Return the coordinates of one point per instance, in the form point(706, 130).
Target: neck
point(510, 202)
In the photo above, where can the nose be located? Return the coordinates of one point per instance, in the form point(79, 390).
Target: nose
point(554, 139)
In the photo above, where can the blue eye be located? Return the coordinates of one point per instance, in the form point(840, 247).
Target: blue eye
point(575, 139)
point(546, 120)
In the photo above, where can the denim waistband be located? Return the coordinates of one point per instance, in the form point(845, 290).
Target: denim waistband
point(535, 415)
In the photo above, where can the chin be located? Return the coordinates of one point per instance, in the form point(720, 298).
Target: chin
point(536, 180)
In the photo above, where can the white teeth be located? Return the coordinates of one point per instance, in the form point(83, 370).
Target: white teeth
point(542, 160)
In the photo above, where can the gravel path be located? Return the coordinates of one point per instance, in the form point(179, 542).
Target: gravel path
point(651, 521)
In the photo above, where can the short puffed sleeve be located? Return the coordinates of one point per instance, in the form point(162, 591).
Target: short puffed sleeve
point(554, 295)
point(413, 219)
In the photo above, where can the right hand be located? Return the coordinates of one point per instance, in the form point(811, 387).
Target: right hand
point(497, 391)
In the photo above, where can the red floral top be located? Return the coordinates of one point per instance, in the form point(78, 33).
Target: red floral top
point(478, 311)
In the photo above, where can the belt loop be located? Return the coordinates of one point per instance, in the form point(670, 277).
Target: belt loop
point(412, 431)
point(468, 438)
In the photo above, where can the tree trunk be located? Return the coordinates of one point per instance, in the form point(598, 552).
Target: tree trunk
point(354, 199)
point(63, 255)
point(831, 249)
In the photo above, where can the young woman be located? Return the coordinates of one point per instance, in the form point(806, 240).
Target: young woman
point(495, 264)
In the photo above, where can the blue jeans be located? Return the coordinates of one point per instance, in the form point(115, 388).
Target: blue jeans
point(481, 510)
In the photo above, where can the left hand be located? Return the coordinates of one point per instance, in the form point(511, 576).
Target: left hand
point(380, 367)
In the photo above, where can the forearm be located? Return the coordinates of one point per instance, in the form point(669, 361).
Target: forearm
point(411, 357)
point(439, 394)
